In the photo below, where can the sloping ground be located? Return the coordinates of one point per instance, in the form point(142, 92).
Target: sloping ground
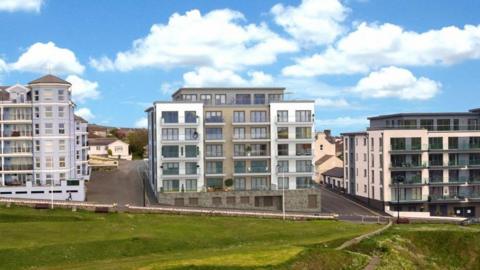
point(425, 246)
point(60, 239)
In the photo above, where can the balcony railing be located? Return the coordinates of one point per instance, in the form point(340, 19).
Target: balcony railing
point(18, 167)
point(17, 117)
point(303, 153)
point(251, 136)
point(408, 166)
point(259, 153)
point(17, 133)
point(17, 150)
point(467, 146)
point(214, 136)
point(214, 119)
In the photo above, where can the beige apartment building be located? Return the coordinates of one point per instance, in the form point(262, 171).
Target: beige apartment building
point(211, 140)
point(420, 162)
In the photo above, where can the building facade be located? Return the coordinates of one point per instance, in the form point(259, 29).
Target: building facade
point(422, 162)
point(43, 144)
point(109, 147)
point(230, 139)
point(325, 154)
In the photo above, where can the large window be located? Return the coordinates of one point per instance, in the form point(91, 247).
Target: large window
point(190, 97)
point(303, 116)
point(282, 132)
point(283, 166)
point(282, 149)
point(48, 111)
point(214, 183)
point(303, 132)
point(259, 149)
point(258, 133)
point(259, 166)
point(282, 116)
point(170, 117)
point(206, 98)
point(283, 183)
point(435, 143)
point(170, 151)
point(170, 185)
point(258, 116)
point(191, 151)
point(190, 168)
point(304, 166)
point(259, 98)
point(426, 124)
point(239, 133)
point(170, 168)
point(191, 134)
point(213, 117)
point(220, 99)
point(259, 183)
point(242, 99)
point(275, 97)
point(443, 124)
point(453, 143)
point(239, 150)
point(398, 143)
point(190, 117)
point(240, 166)
point(214, 167)
point(239, 183)
point(303, 149)
point(214, 150)
point(170, 134)
point(191, 185)
point(214, 133)
point(48, 128)
point(238, 116)
point(303, 182)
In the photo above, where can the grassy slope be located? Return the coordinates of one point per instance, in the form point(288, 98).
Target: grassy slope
point(61, 239)
point(426, 246)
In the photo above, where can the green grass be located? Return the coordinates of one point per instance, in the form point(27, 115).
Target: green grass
point(61, 239)
point(425, 246)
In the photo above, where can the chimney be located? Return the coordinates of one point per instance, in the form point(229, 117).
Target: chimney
point(327, 132)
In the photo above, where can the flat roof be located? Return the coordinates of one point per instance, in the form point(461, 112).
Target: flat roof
point(385, 116)
point(354, 133)
point(229, 88)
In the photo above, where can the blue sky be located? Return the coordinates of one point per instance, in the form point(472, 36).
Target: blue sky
point(356, 58)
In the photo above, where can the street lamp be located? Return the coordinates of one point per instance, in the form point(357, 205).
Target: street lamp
point(283, 189)
point(398, 180)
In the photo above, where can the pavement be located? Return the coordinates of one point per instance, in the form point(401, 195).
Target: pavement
point(122, 185)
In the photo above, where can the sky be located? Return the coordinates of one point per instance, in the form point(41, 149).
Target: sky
point(355, 58)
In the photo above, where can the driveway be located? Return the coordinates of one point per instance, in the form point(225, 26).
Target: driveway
point(122, 185)
point(345, 208)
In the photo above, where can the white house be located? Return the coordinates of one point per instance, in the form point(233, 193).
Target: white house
point(101, 146)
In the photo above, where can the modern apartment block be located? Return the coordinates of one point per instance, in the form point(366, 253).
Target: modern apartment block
point(425, 162)
point(230, 139)
point(43, 144)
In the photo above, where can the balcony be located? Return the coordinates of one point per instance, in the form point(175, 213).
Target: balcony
point(214, 172)
point(435, 147)
point(13, 151)
point(214, 120)
point(7, 117)
point(182, 138)
point(251, 138)
point(253, 170)
point(295, 122)
point(306, 171)
point(251, 154)
point(17, 134)
point(407, 166)
point(443, 198)
point(468, 147)
point(18, 167)
point(413, 181)
point(188, 121)
point(406, 150)
point(175, 174)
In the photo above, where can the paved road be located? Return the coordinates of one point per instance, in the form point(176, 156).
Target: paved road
point(122, 185)
point(335, 203)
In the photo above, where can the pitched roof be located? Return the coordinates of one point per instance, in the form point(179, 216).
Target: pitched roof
point(334, 172)
point(101, 141)
point(49, 79)
point(323, 159)
point(80, 119)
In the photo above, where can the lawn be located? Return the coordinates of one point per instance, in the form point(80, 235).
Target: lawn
point(425, 246)
point(61, 239)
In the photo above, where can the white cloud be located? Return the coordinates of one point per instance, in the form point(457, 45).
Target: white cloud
point(332, 103)
point(44, 57)
point(206, 76)
point(398, 83)
point(85, 113)
point(141, 123)
point(313, 21)
point(217, 39)
point(83, 89)
point(342, 122)
point(372, 46)
point(21, 5)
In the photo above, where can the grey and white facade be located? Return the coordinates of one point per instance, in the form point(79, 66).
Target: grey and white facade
point(417, 162)
point(230, 139)
point(43, 144)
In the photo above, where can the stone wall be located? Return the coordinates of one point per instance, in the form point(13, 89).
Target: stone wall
point(305, 200)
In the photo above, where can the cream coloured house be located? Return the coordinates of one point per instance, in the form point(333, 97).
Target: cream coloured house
point(325, 155)
point(109, 147)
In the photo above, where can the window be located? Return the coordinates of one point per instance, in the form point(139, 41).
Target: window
point(239, 183)
point(214, 150)
point(435, 143)
point(453, 143)
point(169, 134)
point(61, 145)
point(191, 184)
point(259, 149)
point(62, 176)
point(303, 116)
point(170, 168)
point(283, 166)
point(443, 124)
point(364, 173)
point(47, 95)
point(61, 94)
point(259, 166)
point(49, 179)
point(456, 124)
point(239, 150)
point(214, 183)
point(242, 99)
point(206, 98)
point(303, 182)
point(190, 168)
point(37, 112)
point(238, 116)
point(48, 128)
point(61, 162)
point(303, 149)
point(48, 162)
point(48, 146)
point(48, 111)
point(275, 97)
point(214, 133)
point(191, 134)
point(258, 133)
point(170, 185)
point(373, 160)
point(37, 145)
point(190, 117)
point(398, 143)
point(213, 117)
point(240, 166)
point(220, 99)
point(170, 117)
point(61, 128)
point(259, 98)
point(214, 167)
point(372, 144)
point(259, 183)
point(189, 97)
point(426, 124)
point(364, 157)
point(321, 147)
point(35, 95)
point(282, 149)
point(282, 116)
point(282, 132)
point(258, 116)
point(303, 132)
point(283, 183)
point(37, 162)
point(170, 151)
point(191, 151)
point(303, 166)
point(239, 133)
point(373, 177)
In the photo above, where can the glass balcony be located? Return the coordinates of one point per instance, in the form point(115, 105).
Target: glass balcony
point(18, 167)
point(214, 119)
point(170, 171)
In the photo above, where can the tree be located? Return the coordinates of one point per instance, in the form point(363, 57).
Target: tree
point(137, 139)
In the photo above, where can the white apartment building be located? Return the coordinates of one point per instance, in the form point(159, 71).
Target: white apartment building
point(43, 144)
point(230, 139)
point(425, 162)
